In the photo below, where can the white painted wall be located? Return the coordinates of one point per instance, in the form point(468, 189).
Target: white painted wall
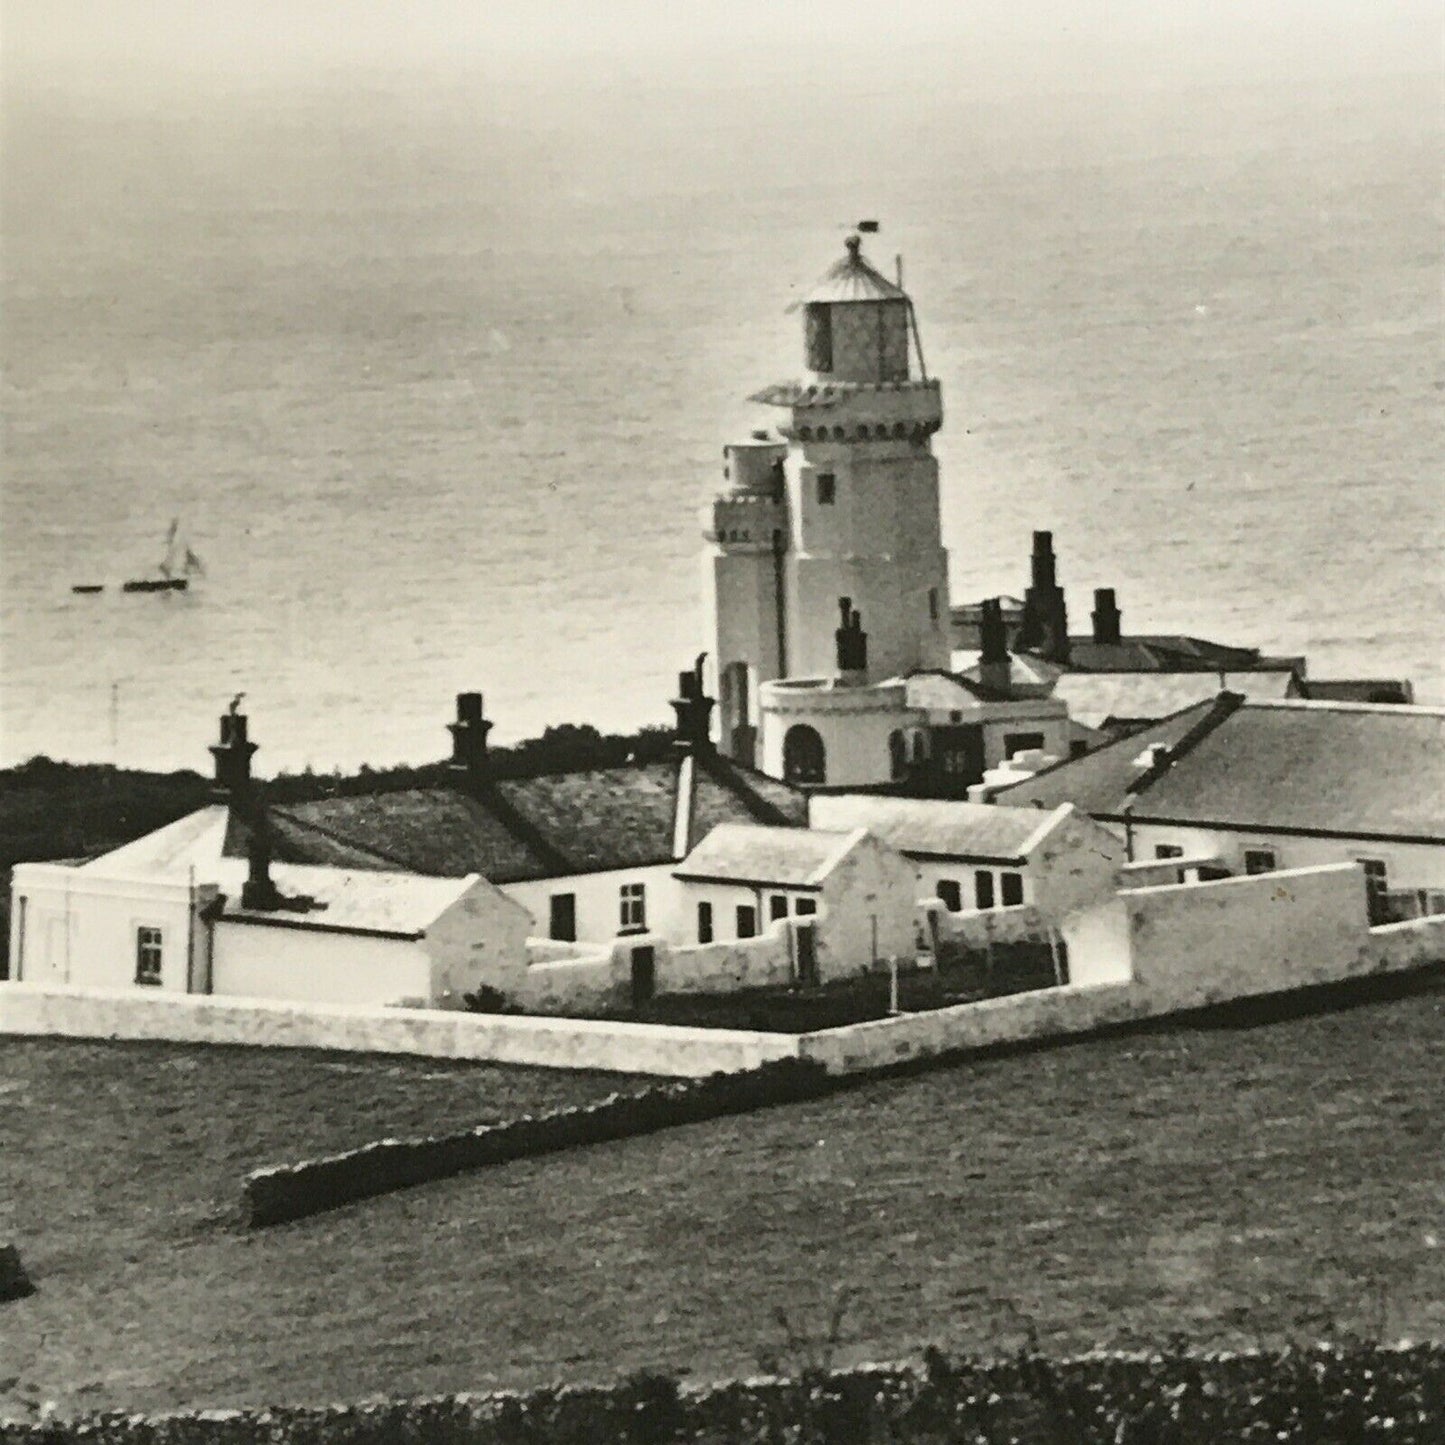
point(871, 893)
point(598, 901)
point(1409, 865)
point(855, 724)
point(558, 1043)
point(317, 966)
point(80, 927)
point(480, 939)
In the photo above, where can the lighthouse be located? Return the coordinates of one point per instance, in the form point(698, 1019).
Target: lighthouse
point(841, 502)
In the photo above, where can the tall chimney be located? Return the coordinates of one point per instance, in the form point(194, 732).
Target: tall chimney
point(1106, 616)
point(233, 758)
point(1044, 627)
point(995, 667)
point(852, 644)
point(694, 712)
point(469, 740)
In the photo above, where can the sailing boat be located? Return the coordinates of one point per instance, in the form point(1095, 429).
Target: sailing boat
point(176, 569)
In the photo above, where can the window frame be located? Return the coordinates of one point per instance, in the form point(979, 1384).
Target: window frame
point(149, 954)
point(632, 907)
point(1010, 881)
point(1252, 855)
point(1016, 743)
point(950, 893)
point(825, 488)
point(704, 922)
point(747, 920)
point(805, 908)
point(777, 906)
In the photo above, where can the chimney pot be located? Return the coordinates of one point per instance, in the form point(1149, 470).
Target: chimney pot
point(1107, 624)
point(469, 738)
point(232, 761)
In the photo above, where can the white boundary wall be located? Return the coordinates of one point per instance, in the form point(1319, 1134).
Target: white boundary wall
point(558, 1043)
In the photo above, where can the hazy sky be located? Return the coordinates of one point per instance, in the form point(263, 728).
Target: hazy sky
point(1058, 43)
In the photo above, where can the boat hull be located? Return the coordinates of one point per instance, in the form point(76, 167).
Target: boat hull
point(156, 584)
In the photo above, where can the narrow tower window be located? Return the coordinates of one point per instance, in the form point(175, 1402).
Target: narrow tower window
point(827, 488)
point(819, 328)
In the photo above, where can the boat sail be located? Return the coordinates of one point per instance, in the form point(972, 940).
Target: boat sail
point(177, 567)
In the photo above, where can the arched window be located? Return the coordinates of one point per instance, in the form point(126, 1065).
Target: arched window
point(804, 757)
point(897, 755)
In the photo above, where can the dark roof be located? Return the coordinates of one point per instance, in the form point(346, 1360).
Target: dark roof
point(1360, 689)
point(1312, 767)
point(1163, 652)
point(548, 826)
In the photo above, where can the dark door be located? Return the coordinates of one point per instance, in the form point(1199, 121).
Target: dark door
point(564, 917)
point(644, 975)
point(807, 956)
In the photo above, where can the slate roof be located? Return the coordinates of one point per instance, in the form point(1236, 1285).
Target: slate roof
point(515, 829)
point(785, 857)
point(352, 901)
point(1342, 769)
point(1097, 698)
point(938, 829)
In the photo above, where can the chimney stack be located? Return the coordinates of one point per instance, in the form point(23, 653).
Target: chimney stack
point(469, 740)
point(852, 646)
point(233, 758)
point(258, 891)
point(1106, 616)
point(694, 712)
point(1044, 627)
point(995, 667)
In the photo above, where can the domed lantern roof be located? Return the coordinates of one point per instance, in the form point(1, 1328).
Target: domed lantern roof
point(854, 279)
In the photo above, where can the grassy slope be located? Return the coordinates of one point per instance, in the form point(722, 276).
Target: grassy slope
point(1223, 1182)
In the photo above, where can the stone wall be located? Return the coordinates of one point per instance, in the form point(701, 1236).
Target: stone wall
point(562, 1043)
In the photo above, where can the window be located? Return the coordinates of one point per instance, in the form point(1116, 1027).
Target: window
point(148, 955)
point(563, 920)
point(1376, 874)
point(1170, 850)
point(983, 888)
point(1021, 743)
point(818, 328)
point(1077, 747)
point(827, 489)
point(1013, 889)
point(1376, 888)
point(933, 604)
point(805, 907)
point(704, 922)
point(897, 755)
point(634, 907)
point(950, 894)
point(1260, 860)
point(747, 921)
point(777, 907)
point(804, 758)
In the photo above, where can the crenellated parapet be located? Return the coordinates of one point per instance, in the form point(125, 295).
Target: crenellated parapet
point(857, 411)
point(746, 522)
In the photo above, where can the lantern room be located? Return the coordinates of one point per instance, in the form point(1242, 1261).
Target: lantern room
point(856, 324)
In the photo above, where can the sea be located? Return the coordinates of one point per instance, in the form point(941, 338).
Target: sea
point(434, 368)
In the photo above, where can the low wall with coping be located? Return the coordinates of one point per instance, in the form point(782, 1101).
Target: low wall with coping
point(1171, 949)
point(559, 1043)
point(762, 962)
point(973, 931)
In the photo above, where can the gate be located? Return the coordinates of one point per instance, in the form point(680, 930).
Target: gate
point(644, 975)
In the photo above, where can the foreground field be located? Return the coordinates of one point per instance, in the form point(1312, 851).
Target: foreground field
point(1234, 1184)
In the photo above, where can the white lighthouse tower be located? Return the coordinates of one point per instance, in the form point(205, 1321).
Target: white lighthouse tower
point(845, 505)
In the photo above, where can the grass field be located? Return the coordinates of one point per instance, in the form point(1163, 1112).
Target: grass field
point(1236, 1184)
